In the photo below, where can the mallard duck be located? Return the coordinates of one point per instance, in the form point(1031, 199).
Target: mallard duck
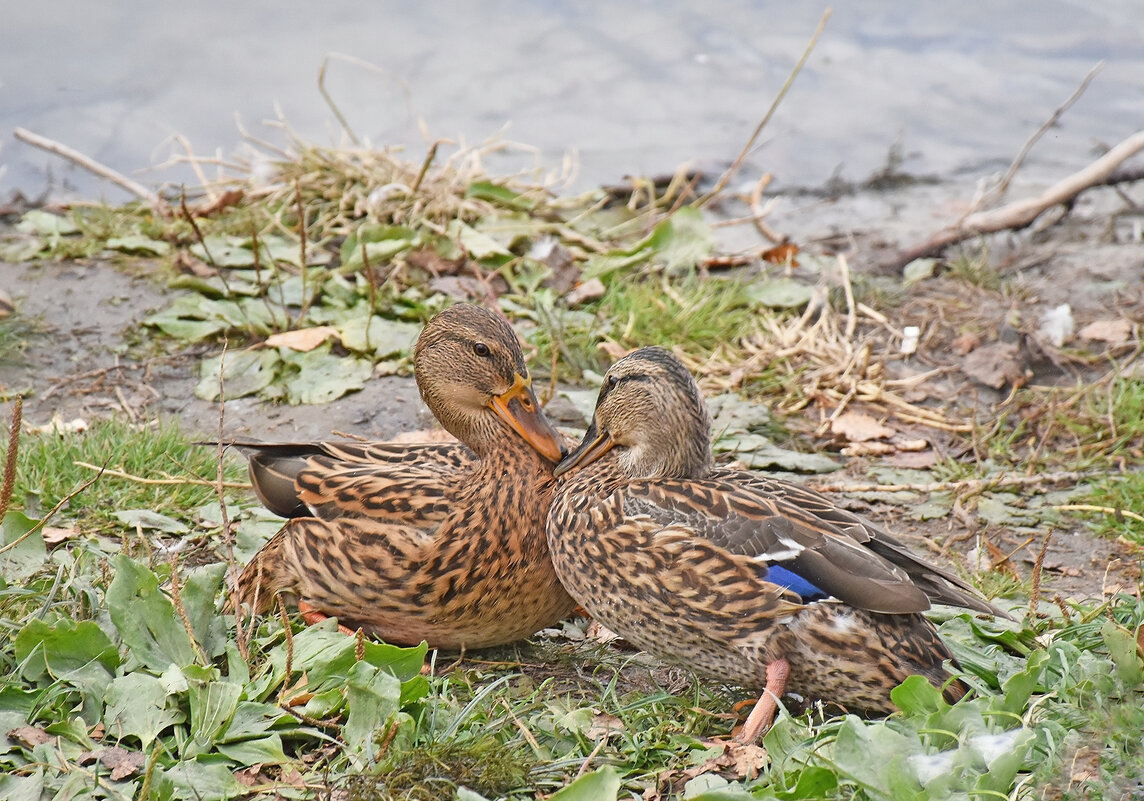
point(744, 578)
point(442, 542)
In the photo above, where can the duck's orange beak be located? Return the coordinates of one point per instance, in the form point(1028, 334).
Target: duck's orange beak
point(518, 407)
point(592, 447)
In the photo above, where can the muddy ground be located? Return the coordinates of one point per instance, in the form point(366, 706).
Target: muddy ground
point(85, 364)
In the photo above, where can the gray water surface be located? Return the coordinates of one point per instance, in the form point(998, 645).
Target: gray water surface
point(629, 88)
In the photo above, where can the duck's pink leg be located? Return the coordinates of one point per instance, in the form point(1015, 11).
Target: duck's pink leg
point(312, 616)
point(763, 715)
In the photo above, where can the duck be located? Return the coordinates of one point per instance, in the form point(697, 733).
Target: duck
point(738, 576)
point(441, 542)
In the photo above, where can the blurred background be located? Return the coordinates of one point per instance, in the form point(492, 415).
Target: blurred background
point(635, 88)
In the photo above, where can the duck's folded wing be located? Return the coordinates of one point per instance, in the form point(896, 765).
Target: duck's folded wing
point(276, 471)
point(770, 532)
point(939, 584)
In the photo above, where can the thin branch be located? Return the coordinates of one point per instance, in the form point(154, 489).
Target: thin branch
point(725, 179)
point(89, 164)
point(175, 482)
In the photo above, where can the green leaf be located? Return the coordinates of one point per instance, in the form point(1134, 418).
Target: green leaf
point(1123, 649)
point(137, 706)
point(213, 704)
point(202, 781)
point(382, 243)
point(373, 696)
point(67, 645)
point(253, 720)
point(225, 251)
point(245, 372)
point(814, 782)
point(599, 785)
point(877, 758)
point(18, 563)
point(916, 696)
point(200, 588)
point(683, 240)
point(139, 245)
point(475, 243)
point(45, 224)
point(145, 618)
point(501, 195)
point(263, 751)
point(465, 794)
point(14, 787)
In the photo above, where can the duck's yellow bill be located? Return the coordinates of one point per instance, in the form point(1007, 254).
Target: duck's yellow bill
point(518, 407)
point(592, 447)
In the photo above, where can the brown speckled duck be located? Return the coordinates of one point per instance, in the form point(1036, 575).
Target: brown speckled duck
point(442, 542)
point(747, 579)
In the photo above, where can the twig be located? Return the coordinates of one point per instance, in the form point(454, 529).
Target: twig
point(1108, 510)
point(1002, 186)
point(43, 520)
point(89, 164)
point(971, 484)
point(175, 482)
point(725, 179)
point(181, 610)
point(1020, 213)
point(289, 632)
point(1038, 567)
point(848, 288)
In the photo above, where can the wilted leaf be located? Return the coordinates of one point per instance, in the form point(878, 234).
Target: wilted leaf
point(320, 377)
point(382, 339)
point(995, 364)
point(54, 536)
point(302, 339)
point(781, 293)
point(31, 736)
point(45, 224)
point(478, 245)
point(781, 254)
point(858, 427)
point(683, 240)
point(592, 289)
point(918, 270)
point(122, 762)
point(756, 451)
point(139, 245)
point(1114, 332)
point(245, 372)
point(151, 520)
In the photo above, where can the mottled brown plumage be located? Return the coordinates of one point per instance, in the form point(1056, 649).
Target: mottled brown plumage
point(441, 542)
point(739, 576)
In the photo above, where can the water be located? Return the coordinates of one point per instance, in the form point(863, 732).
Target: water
point(631, 88)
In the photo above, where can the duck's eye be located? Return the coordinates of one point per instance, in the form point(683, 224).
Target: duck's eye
point(482, 350)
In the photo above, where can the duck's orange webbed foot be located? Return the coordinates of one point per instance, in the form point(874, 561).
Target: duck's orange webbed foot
point(312, 616)
point(763, 715)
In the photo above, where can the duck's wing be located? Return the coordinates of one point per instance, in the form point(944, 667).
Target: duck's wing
point(798, 549)
point(335, 479)
point(940, 585)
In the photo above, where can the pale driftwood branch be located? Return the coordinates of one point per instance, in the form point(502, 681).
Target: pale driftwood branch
point(89, 164)
point(1022, 212)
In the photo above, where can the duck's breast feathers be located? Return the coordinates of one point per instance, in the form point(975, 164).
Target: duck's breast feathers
point(763, 529)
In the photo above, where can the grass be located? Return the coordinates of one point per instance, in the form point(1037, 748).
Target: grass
point(48, 469)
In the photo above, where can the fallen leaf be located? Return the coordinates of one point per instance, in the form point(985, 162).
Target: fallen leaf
point(858, 427)
point(737, 761)
point(918, 460)
point(302, 339)
point(6, 304)
point(965, 343)
point(613, 350)
point(57, 425)
point(604, 726)
point(995, 364)
point(31, 736)
point(592, 289)
point(122, 762)
point(781, 254)
point(54, 536)
point(1114, 332)
point(184, 262)
point(231, 197)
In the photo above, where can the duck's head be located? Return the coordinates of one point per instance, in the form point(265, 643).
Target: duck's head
point(650, 411)
point(472, 376)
